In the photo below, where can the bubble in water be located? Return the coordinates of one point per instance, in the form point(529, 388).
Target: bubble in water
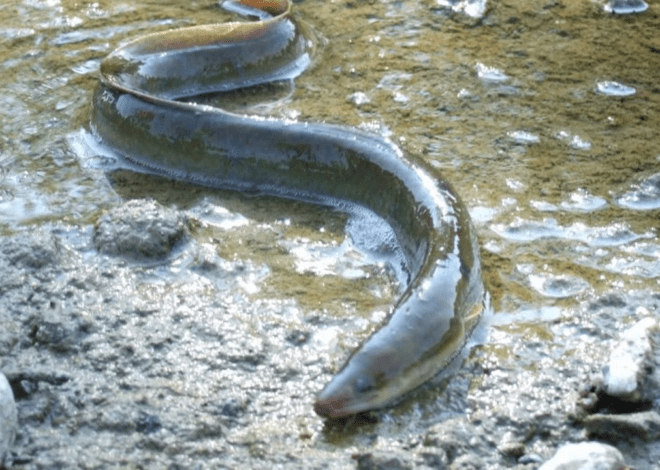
point(521, 230)
point(557, 286)
point(582, 201)
point(543, 206)
point(522, 137)
point(624, 7)
point(614, 89)
point(490, 74)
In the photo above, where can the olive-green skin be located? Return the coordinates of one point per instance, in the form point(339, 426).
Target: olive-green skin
point(134, 112)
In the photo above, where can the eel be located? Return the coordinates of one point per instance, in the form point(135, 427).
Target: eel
point(139, 112)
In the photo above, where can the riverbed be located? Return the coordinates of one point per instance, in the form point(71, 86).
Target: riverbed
point(543, 115)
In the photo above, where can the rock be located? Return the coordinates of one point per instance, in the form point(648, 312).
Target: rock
point(140, 229)
point(644, 425)
point(512, 449)
point(381, 460)
point(467, 461)
point(510, 446)
point(632, 373)
point(148, 424)
point(8, 421)
point(34, 250)
point(585, 456)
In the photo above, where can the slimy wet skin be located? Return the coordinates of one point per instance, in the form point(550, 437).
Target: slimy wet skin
point(136, 113)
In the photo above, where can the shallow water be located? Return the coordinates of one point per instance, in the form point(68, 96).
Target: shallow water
point(543, 115)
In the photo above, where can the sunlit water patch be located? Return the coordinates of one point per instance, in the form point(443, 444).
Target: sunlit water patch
point(370, 243)
point(215, 214)
point(326, 259)
point(538, 315)
point(640, 259)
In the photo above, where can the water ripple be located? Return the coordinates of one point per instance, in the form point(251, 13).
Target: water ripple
point(561, 286)
point(583, 201)
point(521, 230)
point(642, 196)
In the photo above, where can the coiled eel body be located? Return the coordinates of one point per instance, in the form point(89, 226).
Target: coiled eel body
point(136, 113)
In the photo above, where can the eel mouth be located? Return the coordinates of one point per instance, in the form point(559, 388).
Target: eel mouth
point(335, 406)
point(331, 408)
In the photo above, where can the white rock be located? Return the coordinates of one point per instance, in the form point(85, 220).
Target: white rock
point(8, 420)
point(626, 372)
point(585, 456)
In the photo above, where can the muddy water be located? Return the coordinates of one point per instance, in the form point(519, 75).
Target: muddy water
point(544, 115)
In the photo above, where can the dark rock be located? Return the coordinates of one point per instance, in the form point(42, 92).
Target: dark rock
point(644, 425)
point(26, 383)
point(233, 408)
point(381, 460)
point(434, 460)
point(297, 337)
point(467, 461)
point(147, 424)
point(610, 300)
point(512, 449)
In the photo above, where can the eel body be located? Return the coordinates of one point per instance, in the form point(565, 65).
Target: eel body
point(136, 112)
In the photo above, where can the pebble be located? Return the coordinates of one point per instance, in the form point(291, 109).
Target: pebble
point(140, 229)
point(8, 421)
point(380, 461)
point(631, 373)
point(585, 456)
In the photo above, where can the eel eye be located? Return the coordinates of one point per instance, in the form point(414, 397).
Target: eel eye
point(363, 385)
